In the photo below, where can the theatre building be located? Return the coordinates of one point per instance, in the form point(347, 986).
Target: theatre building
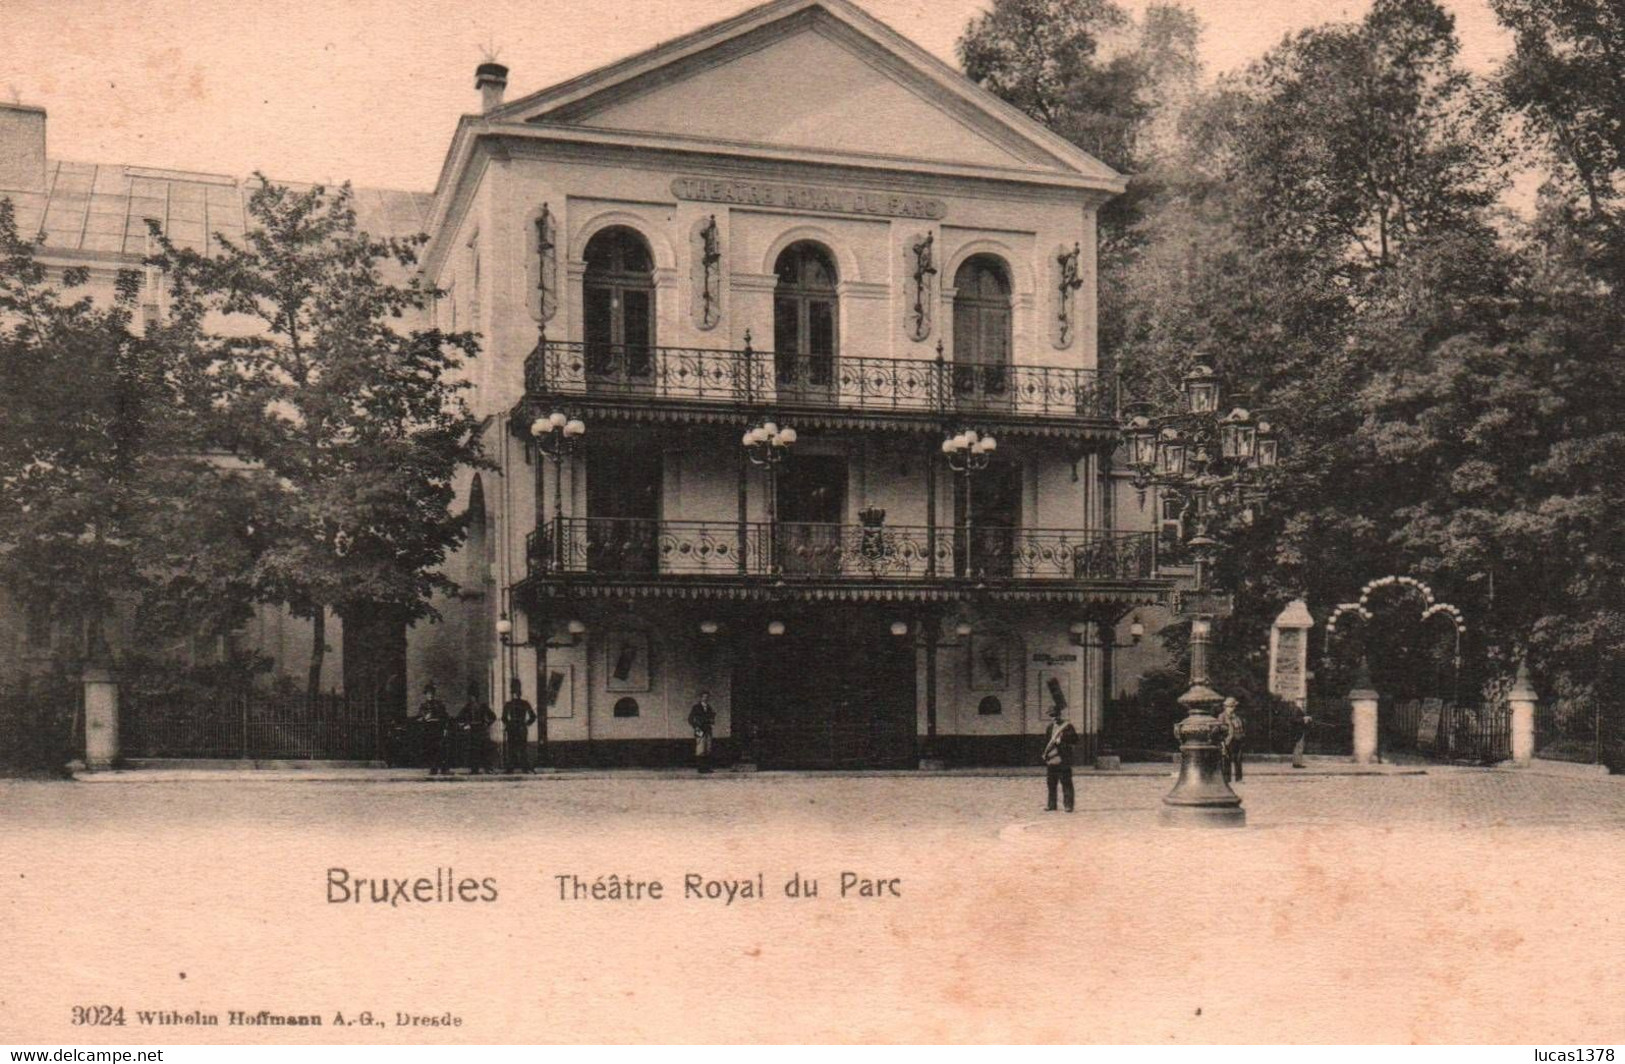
point(790, 351)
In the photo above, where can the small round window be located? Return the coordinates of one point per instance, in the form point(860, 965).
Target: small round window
point(990, 706)
point(626, 707)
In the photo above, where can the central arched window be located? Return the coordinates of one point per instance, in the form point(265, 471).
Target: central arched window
point(804, 319)
point(618, 310)
point(982, 331)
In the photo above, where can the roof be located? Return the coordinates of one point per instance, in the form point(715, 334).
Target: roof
point(569, 101)
point(102, 209)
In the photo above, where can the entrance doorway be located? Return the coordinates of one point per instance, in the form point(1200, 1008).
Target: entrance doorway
point(811, 506)
point(623, 510)
point(840, 696)
point(993, 506)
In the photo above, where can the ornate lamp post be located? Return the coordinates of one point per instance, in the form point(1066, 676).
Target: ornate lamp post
point(1210, 461)
point(968, 453)
point(557, 435)
point(766, 445)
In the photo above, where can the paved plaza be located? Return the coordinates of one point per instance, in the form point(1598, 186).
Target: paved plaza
point(1443, 905)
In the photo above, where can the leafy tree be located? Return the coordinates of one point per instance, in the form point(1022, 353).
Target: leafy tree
point(352, 424)
point(1567, 77)
point(97, 466)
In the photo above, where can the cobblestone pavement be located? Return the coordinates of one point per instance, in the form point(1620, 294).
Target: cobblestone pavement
point(1459, 905)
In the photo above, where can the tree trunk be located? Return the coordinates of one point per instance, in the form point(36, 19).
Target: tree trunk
point(318, 650)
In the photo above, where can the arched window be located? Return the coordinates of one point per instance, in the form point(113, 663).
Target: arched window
point(804, 319)
point(982, 331)
point(618, 308)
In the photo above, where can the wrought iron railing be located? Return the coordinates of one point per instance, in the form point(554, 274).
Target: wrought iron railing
point(249, 724)
point(860, 382)
point(628, 547)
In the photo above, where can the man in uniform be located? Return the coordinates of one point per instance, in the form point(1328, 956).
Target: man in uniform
point(434, 717)
point(1230, 739)
point(517, 717)
point(1059, 739)
point(703, 719)
point(476, 720)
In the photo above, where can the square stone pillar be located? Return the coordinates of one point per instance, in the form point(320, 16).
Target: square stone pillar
point(101, 717)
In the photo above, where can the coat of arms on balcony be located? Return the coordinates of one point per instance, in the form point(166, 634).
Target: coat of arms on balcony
point(547, 265)
point(705, 245)
point(1068, 279)
point(921, 294)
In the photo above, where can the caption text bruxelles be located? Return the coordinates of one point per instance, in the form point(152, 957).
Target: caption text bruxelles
point(446, 887)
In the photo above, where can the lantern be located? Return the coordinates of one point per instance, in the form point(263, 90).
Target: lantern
point(1141, 437)
point(1269, 447)
point(1171, 453)
point(1238, 436)
point(1202, 389)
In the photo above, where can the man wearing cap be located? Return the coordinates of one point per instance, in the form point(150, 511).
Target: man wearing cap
point(434, 718)
point(703, 719)
point(1230, 740)
point(476, 721)
point(1059, 739)
point(517, 717)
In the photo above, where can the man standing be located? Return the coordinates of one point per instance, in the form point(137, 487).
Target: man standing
point(702, 718)
point(517, 717)
point(1305, 721)
point(476, 720)
point(1230, 739)
point(434, 718)
point(1059, 739)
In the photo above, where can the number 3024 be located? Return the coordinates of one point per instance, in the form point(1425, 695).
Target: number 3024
point(98, 1016)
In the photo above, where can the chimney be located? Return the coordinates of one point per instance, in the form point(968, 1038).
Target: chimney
point(22, 148)
point(491, 79)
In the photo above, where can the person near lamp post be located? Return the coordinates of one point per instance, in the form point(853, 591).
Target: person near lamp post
point(517, 717)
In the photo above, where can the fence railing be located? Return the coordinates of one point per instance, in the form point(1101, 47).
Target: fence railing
point(249, 725)
point(1592, 734)
point(858, 382)
point(39, 724)
point(1432, 727)
point(631, 547)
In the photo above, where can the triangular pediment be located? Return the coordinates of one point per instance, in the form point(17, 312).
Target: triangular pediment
point(817, 75)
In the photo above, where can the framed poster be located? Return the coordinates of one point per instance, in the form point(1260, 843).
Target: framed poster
point(559, 692)
point(989, 662)
point(626, 661)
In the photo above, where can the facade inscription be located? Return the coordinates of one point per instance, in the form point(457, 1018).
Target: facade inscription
point(807, 198)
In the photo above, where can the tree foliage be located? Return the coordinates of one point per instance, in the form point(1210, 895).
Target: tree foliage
point(350, 424)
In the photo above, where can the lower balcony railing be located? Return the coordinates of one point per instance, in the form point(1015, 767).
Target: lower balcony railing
point(856, 382)
point(631, 548)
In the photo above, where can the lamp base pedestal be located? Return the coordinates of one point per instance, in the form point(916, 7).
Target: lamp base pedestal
point(1201, 797)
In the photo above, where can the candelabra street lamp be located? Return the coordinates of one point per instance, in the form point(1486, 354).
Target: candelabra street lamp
point(767, 445)
point(1211, 462)
point(557, 435)
point(968, 453)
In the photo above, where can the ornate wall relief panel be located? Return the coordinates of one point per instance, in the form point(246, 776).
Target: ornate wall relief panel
point(1066, 279)
point(705, 278)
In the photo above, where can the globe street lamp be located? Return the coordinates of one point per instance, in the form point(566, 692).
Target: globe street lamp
point(557, 435)
point(767, 445)
point(968, 453)
point(1212, 462)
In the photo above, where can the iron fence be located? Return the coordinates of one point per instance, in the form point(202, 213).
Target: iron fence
point(859, 382)
point(250, 725)
point(40, 724)
point(1587, 733)
point(1443, 731)
point(634, 547)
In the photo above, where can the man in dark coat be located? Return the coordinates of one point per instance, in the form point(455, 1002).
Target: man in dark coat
point(1059, 739)
point(435, 719)
point(476, 722)
point(1232, 736)
point(517, 717)
point(703, 719)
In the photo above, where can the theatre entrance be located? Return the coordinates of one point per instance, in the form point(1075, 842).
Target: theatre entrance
point(839, 697)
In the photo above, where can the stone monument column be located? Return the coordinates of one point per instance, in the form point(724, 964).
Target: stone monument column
point(101, 717)
point(1522, 700)
point(1363, 701)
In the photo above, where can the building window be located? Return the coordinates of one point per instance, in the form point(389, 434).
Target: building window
point(626, 707)
point(990, 706)
point(805, 333)
point(618, 310)
point(982, 331)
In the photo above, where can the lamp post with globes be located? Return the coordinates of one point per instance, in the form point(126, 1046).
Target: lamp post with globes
point(968, 453)
point(1211, 462)
point(767, 445)
point(557, 435)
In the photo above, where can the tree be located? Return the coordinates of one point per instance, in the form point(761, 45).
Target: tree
point(1566, 76)
point(96, 454)
point(351, 425)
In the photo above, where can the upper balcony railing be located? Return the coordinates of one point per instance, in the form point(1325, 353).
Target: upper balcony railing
point(861, 383)
point(637, 548)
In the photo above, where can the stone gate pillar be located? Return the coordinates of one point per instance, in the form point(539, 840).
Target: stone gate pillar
point(1522, 700)
point(1363, 703)
point(101, 717)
